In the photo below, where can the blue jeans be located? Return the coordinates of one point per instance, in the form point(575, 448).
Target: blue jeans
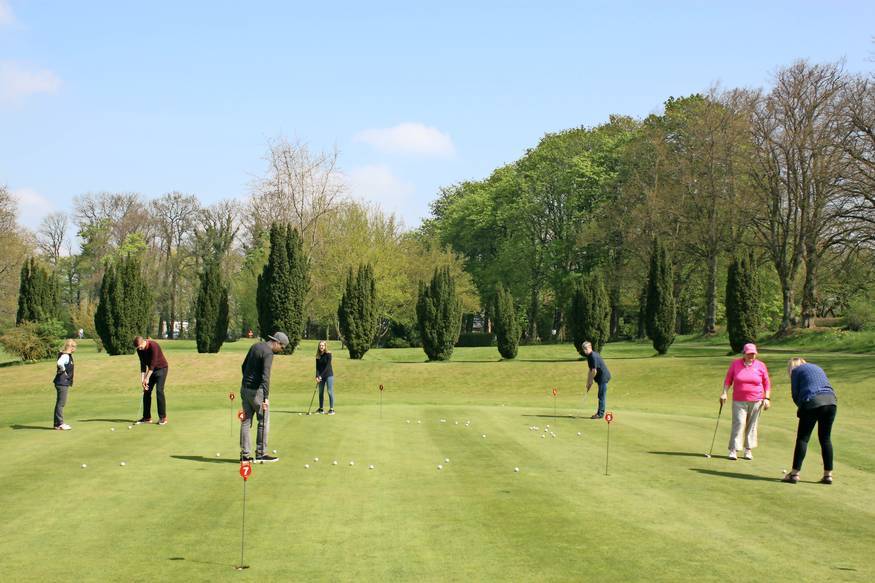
point(330, 382)
point(603, 394)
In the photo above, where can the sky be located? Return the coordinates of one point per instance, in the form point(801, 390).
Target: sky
point(153, 97)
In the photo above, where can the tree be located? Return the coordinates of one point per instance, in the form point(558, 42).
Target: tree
point(357, 313)
point(439, 315)
point(742, 302)
point(590, 313)
point(37, 294)
point(14, 250)
point(211, 309)
point(52, 235)
point(124, 307)
point(661, 311)
point(282, 286)
point(507, 326)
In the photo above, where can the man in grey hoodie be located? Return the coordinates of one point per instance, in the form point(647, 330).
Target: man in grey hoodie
point(254, 393)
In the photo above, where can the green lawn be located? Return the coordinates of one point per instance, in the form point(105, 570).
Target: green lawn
point(663, 513)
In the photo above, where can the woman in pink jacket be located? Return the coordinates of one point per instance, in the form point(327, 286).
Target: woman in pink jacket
point(749, 379)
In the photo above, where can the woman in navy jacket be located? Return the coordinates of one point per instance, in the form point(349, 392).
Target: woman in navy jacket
point(816, 405)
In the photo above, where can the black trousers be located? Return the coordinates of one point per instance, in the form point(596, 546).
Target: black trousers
point(156, 383)
point(823, 417)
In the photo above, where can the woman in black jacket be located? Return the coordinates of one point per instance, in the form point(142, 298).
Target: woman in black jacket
point(325, 377)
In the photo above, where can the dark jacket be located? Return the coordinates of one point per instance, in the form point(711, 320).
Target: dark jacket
point(152, 357)
point(323, 366)
point(810, 387)
point(64, 378)
point(596, 363)
point(256, 368)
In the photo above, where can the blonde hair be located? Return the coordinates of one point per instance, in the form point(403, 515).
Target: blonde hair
point(68, 344)
point(794, 362)
point(325, 342)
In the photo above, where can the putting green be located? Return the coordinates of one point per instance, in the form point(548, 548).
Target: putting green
point(664, 512)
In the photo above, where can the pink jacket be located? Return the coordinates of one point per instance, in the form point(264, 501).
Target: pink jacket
point(749, 383)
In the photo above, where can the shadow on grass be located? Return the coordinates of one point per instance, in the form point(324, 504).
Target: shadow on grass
point(105, 420)
point(205, 459)
point(677, 453)
point(735, 475)
point(557, 416)
point(16, 427)
point(289, 412)
point(201, 562)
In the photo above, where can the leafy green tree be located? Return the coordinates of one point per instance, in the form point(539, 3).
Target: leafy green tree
point(124, 308)
point(742, 302)
point(282, 286)
point(589, 316)
point(507, 327)
point(357, 314)
point(661, 310)
point(37, 294)
point(211, 309)
point(439, 315)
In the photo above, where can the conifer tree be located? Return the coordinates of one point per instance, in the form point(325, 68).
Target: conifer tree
point(661, 310)
point(641, 332)
point(742, 302)
point(590, 313)
point(357, 312)
point(124, 308)
point(37, 294)
point(282, 286)
point(211, 309)
point(507, 326)
point(439, 315)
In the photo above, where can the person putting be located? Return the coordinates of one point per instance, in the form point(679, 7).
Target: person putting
point(325, 377)
point(598, 373)
point(254, 394)
point(153, 375)
point(63, 382)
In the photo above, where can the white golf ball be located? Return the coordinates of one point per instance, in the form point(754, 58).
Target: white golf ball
point(418, 421)
point(543, 436)
point(315, 459)
point(782, 471)
point(552, 434)
point(547, 426)
point(371, 467)
point(408, 421)
point(443, 420)
point(484, 435)
point(274, 451)
point(123, 464)
point(334, 463)
point(707, 455)
point(218, 454)
point(112, 428)
point(440, 467)
point(306, 466)
point(546, 429)
point(578, 433)
point(457, 422)
point(352, 463)
point(516, 469)
point(446, 460)
point(300, 414)
point(84, 465)
point(130, 426)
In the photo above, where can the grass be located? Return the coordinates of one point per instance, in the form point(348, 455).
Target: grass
point(663, 513)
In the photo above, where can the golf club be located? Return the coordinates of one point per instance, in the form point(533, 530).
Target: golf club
point(710, 451)
point(310, 406)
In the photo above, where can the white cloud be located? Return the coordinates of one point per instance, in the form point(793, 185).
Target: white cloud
point(409, 138)
point(32, 207)
point(7, 18)
point(377, 183)
point(17, 83)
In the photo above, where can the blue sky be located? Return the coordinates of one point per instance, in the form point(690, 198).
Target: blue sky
point(159, 96)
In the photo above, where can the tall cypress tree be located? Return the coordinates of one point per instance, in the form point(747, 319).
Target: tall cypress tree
point(507, 326)
point(661, 310)
point(641, 332)
point(742, 302)
point(282, 286)
point(439, 315)
point(211, 309)
point(37, 294)
point(590, 313)
point(125, 306)
point(357, 312)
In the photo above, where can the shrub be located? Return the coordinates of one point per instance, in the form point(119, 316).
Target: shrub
point(507, 327)
point(469, 339)
point(860, 314)
point(439, 315)
point(742, 303)
point(211, 309)
point(357, 312)
point(589, 317)
point(397, 343)
point(34, 340)
point(124, 307)
point(661, 309)
point(282, 286)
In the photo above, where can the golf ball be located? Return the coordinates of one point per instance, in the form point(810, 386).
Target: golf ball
point(418, 421)
point(84, 465)
point(352, 463)
point(578, 433)
point(707, 455)
point(457, 422)
point(112, 428)
point(782, 471)
point(130, 426)
point(315, 459)
point(371, 467)
point(543, 436)
point(123, 464)
point(300, 414)
point(443, 420)
point(446, 460)
point(274, 451)
point(516, 469)
point(218, 454)
point(306, 466)
point(440, 467)
point(408, 421)
point(334, 463)
point(547, 426)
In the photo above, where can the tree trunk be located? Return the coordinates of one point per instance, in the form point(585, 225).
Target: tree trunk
point(787, 315)
point(533, 317)
point(809, 289)
point(710, 326)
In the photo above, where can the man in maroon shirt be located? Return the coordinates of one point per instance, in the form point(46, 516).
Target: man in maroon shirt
point(153, 373)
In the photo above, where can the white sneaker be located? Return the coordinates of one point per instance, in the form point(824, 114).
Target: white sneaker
point(748, 454)
point(733, 455)
point(63, 427)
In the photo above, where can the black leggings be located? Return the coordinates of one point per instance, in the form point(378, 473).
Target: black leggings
point(822, 416)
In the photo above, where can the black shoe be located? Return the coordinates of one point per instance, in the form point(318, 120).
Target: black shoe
point(320, 411)
point(245, 459)
point(596, 416)
point(143, 420)
point(331, 411)
point(265, 458)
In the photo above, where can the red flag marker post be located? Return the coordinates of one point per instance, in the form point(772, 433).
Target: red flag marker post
point(231, 397)
point(609, 417)
point(381, 401)
point(555, 394)
point(245, 472)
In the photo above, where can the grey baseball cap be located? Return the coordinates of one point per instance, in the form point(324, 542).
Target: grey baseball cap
point(279, 337)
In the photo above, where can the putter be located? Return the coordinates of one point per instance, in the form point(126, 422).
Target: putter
point(310, 406)
point(710, 451)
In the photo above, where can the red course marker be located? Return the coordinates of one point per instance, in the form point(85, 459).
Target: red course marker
point(555, 392)
point(381, 387)
point(245, 471)
point(241, 415)
point(609, 416)
point(231, 396)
